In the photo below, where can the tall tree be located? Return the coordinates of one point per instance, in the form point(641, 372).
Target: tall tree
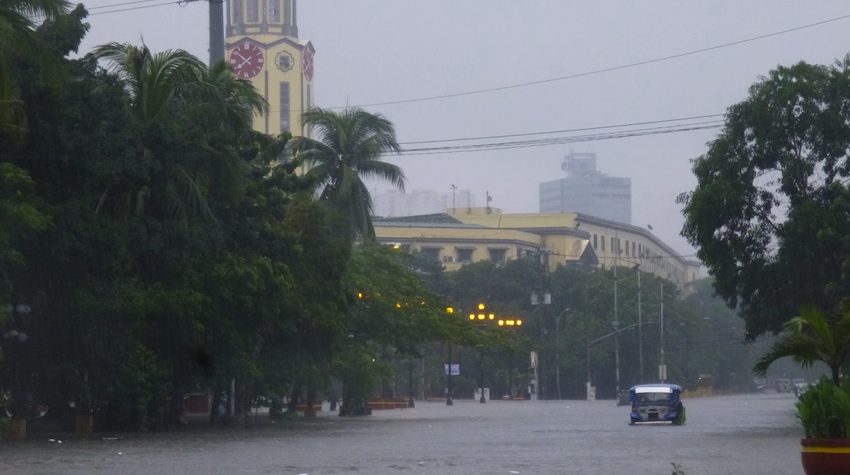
point(769, 215)
point(187, 120)
point(349, 147)
point(17, 35)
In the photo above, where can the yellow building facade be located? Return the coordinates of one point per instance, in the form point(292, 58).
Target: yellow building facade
point(467, 235)
point(262, 46)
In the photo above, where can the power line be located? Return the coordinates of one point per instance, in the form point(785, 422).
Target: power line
point(113, 5)
point(491, 146)
point(605, 70)
point(133, 8)
point(565, 130)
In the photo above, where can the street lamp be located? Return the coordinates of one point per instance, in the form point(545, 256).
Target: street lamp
point(544, 299)
point(482, 316)
point(509, 324)
point(449, 402)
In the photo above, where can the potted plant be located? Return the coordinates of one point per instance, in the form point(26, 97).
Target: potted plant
point(824, 409)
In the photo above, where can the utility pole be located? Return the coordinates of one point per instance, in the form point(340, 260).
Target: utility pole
point(662, 369)
point(640, 326)
point(616, 321)
point(216, 26)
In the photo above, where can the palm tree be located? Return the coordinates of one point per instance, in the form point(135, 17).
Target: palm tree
point(18, 37)
point(811, 337)
point(349, 147)
point(189, 121)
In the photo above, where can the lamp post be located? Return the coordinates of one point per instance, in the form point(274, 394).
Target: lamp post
point(509, 324)
point(410, 402)
point(640, 326)
point(482, 317)
point(617, 358)
point(544, 299)
point(449, 401)
point(616, 322)
point(662, 368)
point(15, 338)
point(558, 351)
point(483, 399)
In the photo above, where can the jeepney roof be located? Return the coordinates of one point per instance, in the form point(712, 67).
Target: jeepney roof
point(655, 388)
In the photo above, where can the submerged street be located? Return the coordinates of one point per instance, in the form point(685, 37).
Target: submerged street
point(748, 433)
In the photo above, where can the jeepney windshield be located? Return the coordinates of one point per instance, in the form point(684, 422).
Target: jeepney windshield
point(653, 397)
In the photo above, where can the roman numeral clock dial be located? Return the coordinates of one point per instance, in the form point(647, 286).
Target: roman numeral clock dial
point(247, 60)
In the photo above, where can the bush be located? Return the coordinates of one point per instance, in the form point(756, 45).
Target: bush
point(824, 410)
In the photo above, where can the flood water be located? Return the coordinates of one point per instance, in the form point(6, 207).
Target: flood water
point(738, 434)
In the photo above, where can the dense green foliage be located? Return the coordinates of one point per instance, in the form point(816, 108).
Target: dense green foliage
point(824, 410)
point(348, 148)
point(702, 336)
point(164, 248)
point(769, 215)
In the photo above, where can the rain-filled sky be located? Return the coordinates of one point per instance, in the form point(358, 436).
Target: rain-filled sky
point(532, 80)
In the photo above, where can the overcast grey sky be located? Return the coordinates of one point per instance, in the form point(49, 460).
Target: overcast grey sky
point(378, 51)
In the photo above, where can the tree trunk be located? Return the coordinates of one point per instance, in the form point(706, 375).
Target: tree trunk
point(293, 400)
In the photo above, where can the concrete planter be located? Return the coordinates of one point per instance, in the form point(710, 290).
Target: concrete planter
point(826, 456)
point(84, 425)
point(17, 428)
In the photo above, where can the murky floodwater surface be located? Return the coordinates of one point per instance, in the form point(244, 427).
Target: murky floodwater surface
point(740, 434)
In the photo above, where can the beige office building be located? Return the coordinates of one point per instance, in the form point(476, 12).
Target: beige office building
point(464, 235)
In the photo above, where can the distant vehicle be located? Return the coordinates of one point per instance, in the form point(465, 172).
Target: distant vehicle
point(783, 385)
point(800, 387)
point(656, 403)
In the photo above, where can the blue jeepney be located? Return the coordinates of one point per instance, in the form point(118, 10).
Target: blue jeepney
point(656, 403)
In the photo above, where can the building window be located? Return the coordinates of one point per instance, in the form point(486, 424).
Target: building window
point(633, 249)
point(464, 255)
point(432, 252)
point(497, 255)
point(285, 125)
point(613, 248)
point(603, 243)
point(627, 247)
point(253, 11)
point(274, 11)
point(236, 11)
point(594, 242)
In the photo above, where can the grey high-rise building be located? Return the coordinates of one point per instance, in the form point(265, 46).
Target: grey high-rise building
point(587, 190)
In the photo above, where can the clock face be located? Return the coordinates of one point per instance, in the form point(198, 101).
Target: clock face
point(308, 64)
point(247, 60)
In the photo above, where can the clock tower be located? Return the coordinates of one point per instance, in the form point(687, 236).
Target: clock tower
point(263, 47)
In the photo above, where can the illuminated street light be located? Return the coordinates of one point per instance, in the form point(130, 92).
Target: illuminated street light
point(449, 402)
point(482, 316)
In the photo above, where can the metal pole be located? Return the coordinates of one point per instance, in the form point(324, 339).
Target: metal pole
point(588, 369)
point(662, 370)
point(216, 31)
point(616, 322)
point(449, 379)
point(640, 328)
point(617, 360)
point(410, 402)
point(558, 354)
point(483, 399)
